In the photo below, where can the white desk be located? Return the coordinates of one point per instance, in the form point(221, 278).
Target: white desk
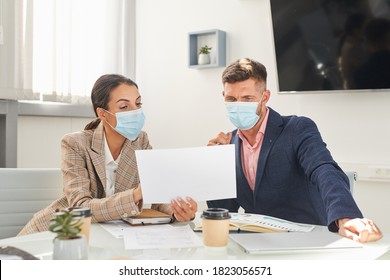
point(103, 246)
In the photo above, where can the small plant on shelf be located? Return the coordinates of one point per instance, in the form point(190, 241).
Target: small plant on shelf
point(204, 55)
point(205, 49)
point(65, 225)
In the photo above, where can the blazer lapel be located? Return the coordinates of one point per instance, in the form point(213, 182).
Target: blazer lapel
point(273, 130)
point(127, 175)
point(239, 171)
point(97, 156)
point(241, 178)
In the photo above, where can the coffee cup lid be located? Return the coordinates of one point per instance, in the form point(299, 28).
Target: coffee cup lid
point(81, 211)
point(216, 214)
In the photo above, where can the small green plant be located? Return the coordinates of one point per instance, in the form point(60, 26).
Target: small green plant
point(65, 224)
point(205, 49)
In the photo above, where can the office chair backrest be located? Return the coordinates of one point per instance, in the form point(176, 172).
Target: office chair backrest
point(352, 176)
point(23, 192)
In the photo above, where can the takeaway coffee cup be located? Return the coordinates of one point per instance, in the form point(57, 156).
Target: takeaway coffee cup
point(215, 225)
point(85, 215)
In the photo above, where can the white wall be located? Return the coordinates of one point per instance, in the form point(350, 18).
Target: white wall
point(39, 139)
point(184, 106)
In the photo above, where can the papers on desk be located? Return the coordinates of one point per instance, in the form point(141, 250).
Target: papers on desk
point(161, 236)
point(115, 227)
point(203, 173)
point(153, 236)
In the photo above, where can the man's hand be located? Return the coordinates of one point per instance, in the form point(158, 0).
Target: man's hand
point(361, 230)
point(221, 139)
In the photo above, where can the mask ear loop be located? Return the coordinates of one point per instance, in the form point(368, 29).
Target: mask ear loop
point(261, 107)
point(111, 115)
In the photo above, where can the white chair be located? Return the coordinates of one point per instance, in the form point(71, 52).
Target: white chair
point(352, 176)
point(23, 192)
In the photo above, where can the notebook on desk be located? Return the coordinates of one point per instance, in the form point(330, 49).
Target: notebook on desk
point(149, 217)
point(254, 243)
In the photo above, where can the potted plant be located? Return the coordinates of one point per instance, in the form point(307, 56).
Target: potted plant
point(204, 55)
point(68, 243)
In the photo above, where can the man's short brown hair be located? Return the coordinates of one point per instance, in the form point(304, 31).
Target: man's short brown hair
point(244, 69)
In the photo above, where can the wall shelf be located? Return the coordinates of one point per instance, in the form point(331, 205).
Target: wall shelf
point(213, 38)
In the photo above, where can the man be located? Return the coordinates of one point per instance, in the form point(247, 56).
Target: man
point(283, 167)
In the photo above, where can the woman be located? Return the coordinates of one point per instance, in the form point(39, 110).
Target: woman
point(98, 164)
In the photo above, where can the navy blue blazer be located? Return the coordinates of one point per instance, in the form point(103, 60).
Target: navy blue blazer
point(297, 178)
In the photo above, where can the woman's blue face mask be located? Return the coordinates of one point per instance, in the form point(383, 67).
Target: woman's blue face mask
point(129, 123)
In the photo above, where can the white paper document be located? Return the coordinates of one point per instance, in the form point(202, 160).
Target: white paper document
point(203, 173)
point(115, 227)
point(161, 236)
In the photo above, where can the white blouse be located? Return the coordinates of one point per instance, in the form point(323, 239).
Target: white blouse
point(111, 167)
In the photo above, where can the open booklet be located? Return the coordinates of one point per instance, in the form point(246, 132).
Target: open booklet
point(262, 223)
point(149, 217)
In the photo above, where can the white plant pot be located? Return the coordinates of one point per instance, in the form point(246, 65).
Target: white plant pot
point(70, 249)
point(203, 59)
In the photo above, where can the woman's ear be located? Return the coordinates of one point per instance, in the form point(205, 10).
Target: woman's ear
point(101, 113)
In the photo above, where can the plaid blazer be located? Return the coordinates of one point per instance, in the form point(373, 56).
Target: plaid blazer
point(84, 180)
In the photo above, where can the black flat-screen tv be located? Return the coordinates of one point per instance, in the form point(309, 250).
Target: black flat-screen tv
point(332, 45)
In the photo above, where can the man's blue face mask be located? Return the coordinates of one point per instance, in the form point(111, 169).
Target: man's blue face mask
point(243, 114)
